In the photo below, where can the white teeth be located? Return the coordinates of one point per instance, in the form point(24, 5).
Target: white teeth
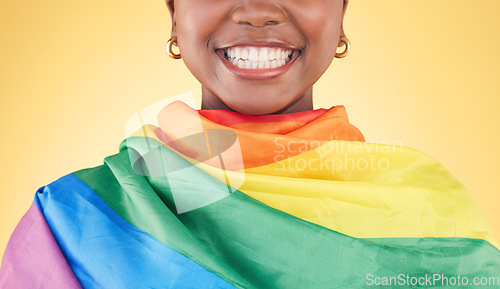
point(244, 54)
point(241, 63)
point(253, 54)
point(263, 54)
point(253, 57)
point(237, 52)
point(272, 54)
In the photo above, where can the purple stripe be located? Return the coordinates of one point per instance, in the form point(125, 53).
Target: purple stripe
point(33, 258)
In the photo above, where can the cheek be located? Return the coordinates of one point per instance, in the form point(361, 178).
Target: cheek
point(196, 24)
point(191, 34)
point(320, 23)
point(200, 18)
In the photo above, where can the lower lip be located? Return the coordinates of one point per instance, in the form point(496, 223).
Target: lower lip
point(264, 73)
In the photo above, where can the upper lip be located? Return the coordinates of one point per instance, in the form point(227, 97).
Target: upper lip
point(269, 42)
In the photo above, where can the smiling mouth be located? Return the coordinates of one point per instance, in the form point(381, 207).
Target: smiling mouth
point(252, 57)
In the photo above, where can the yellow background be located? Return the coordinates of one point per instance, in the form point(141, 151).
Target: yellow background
point(424, 73)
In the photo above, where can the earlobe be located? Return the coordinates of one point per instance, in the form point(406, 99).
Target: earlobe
point(342, 34)
point(171, 10)
point(344, 7)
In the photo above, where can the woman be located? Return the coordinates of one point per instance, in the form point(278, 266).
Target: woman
point(256, 190)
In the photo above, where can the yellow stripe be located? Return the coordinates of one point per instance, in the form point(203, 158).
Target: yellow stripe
point(370, 191)
point(365, 190)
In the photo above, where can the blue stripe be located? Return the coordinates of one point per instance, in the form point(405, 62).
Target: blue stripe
point(105, 251)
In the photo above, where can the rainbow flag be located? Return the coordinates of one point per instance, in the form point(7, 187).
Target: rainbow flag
point(217, 199)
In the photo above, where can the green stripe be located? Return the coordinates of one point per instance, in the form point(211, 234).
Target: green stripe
point(254, 246)
point(133, 199)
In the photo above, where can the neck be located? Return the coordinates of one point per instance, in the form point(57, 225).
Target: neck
point(303, 103)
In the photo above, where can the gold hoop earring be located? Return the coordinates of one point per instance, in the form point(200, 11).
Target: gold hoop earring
point(172, 41)
point(347, 48)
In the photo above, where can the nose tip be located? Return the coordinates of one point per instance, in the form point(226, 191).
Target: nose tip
point(258, 13)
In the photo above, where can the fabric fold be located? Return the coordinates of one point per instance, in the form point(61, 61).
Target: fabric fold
point(217, 199)
point(33, 258)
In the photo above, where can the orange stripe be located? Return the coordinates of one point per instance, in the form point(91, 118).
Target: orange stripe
point(264, 148)
point(281, 140)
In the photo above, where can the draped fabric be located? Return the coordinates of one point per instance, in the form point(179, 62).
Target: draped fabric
point(218, 199)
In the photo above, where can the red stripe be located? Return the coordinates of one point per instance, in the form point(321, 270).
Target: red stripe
point(229, 118)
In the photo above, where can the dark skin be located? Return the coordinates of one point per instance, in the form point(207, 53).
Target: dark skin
point(311, 29)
